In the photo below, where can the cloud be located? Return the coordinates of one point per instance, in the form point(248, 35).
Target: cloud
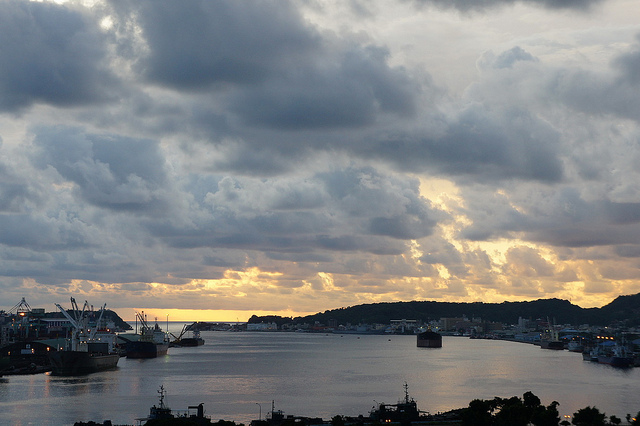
point(196, 44)
point(478, 142)
point(15, 193)
point(629, 65)
point(506, 59)
point(350, 89)
point(110, 171)
point(559, 217)
point(333, 211)
point(271, 67)
point(472, 5)
point(277, 154)
point(50, 54)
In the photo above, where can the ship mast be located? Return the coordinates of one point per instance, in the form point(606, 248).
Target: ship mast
point(162, 393)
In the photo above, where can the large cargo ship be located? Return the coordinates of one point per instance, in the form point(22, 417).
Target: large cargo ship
point(77, 363)
point(616, 357)
point(152, 342)
point(194, 340)
point(84, 353)
point(550, 339)
point(429, 339)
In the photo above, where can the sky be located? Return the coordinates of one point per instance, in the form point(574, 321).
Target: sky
point(212, 160)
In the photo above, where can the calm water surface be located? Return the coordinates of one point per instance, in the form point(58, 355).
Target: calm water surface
point(237, 375)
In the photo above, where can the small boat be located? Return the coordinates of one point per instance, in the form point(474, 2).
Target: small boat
point(429, 339)
point(83, 352)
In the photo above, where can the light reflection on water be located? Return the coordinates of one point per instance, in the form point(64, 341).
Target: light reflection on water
point(319, 375)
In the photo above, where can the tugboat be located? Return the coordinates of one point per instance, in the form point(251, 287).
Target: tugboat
point(405, 410)
point(83, 353)
point(162, 414)
point(153, 342)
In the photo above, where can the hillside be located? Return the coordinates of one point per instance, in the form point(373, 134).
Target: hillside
point(625, 309)
point(108, 314)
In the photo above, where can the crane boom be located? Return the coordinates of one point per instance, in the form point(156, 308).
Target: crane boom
point(93, 333)
point(66, 314)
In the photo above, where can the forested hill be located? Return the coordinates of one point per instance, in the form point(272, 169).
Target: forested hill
point(624, 309)
point(108, 314)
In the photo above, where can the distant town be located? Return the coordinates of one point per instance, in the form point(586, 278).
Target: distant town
point(28, 336)
point(526, 330)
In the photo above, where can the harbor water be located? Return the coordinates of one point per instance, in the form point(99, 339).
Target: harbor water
point(238, 375)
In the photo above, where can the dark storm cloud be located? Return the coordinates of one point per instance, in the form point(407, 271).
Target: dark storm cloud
point(266, 64)
point(113, 172)
point(351, 90)
point(49, 54)
point(194, 44)
point(484, 143)
point(41, 232)
point(256, 159)
point(562, 218)
point(15, 192)
point(597, 94)
point(628, 250)
point(471, 5)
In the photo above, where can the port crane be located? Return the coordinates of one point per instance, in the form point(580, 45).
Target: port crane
point(79, 321)
point(22, 308)
point(184, 330)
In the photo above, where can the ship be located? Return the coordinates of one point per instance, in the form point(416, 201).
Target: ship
point(152, 341)
point(83, 353)
point(429, 339)
point(405, 411)
point(616, 357)
point(163, 415)
point(550, 339)
point(194, 340)
point(576, 344)
point(590, 354)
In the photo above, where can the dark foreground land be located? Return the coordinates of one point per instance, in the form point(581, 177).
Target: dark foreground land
point(515, 411)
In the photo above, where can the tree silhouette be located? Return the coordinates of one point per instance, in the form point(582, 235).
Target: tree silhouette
point(512, 411)
point(588, 416)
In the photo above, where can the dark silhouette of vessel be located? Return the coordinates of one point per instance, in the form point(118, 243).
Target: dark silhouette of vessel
point(429, 339)
point(405, 411)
